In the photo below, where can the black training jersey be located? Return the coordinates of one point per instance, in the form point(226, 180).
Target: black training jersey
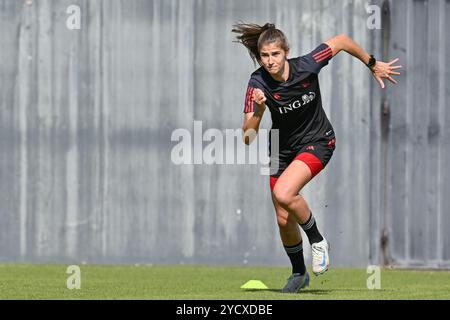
point(295, 105)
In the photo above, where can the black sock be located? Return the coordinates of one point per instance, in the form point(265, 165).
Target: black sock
point(310, 228)
point(295, 253)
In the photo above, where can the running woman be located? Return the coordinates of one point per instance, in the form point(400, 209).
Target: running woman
point(290, 89)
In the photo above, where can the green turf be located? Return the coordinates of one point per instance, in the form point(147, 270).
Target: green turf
point(206, 282)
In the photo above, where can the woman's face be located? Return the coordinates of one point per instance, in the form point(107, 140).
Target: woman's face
point(273, 58)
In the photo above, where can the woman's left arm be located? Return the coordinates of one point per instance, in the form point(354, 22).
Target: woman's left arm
point(380, 70)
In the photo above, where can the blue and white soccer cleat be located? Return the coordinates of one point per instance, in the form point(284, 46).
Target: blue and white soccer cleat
point(320, 257)
point(296, 282)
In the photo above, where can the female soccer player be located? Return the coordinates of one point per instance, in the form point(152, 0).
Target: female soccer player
point(290, 89)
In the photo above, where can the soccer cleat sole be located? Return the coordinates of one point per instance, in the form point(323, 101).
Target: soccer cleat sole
point(321, 272)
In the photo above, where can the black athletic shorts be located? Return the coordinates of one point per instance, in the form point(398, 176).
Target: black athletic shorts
point(315, 155)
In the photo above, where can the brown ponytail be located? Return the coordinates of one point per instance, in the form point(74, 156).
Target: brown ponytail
point(254, 37)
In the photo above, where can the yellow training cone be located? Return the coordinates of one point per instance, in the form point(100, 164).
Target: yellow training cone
point(254, 284)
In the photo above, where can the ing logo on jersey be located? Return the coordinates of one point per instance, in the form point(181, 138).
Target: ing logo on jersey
point(305, 99)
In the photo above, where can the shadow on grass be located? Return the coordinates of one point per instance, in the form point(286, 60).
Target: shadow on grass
point(312, 291)
point(363, 290)
point(328, 291)
point(263, 290)
point(319, 291)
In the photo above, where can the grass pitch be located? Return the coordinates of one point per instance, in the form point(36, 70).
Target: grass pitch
point(34, 281)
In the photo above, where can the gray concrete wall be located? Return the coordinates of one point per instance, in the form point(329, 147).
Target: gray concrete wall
point(87, 115)
point(417, 150)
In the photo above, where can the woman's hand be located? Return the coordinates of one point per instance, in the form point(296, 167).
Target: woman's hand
point(384, 70)
point(260, 99)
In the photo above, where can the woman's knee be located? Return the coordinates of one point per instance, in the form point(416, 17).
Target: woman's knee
point(282, 197)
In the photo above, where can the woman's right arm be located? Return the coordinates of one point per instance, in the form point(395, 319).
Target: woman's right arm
point(252, 120)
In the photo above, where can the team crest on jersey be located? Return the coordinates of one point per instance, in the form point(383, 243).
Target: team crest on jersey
point(276, 96)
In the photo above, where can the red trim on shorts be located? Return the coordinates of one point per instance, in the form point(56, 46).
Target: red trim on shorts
point(314, 163)
point(273, 180)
